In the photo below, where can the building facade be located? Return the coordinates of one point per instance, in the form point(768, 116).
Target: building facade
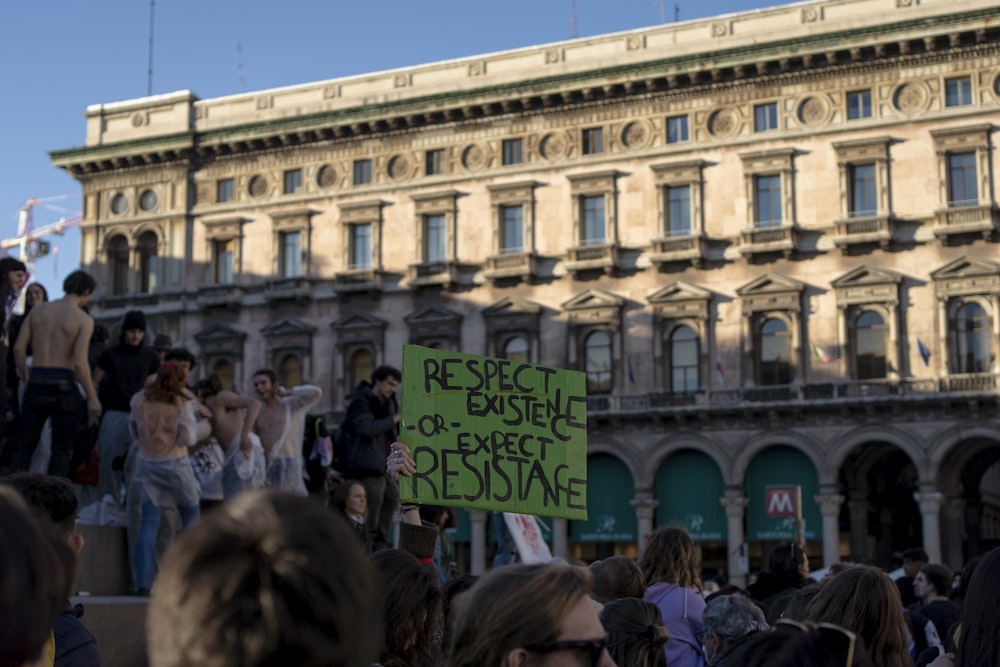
point(769, 239)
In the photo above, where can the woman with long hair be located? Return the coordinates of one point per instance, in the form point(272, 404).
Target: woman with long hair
point(635, 632)
point(524, 614)
point(864, 600)
point(672, 568)
point(978, 631)
point(164, 420)
point(411, 609)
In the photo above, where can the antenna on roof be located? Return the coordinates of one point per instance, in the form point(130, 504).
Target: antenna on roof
point(572, 19)
point(149, 72)
point(239, 66)
point(677, 12)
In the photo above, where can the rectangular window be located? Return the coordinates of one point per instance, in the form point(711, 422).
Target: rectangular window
point(291, 255)
point(434, 162)
point(958, 92)
point(859, 104)
point(593, 141)
point(362, 172)
point(513, 151)
point(224, 190)
point(435, 239)
point(765, 117)
point(962, 189)
point(360, 247)
point(861, 200)
point(592, 231)
point(222, 254)
point(767, 201)
point(511, 229)
point(677, 129)
point(292, 181)
point(677, 205)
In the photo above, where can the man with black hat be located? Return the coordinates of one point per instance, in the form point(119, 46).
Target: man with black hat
point(121, 371)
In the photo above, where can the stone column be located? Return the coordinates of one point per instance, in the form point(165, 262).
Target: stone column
point(735, 504)
point(857, 506)
point(930, 511)
point(954, 531)
point(560, 538)
point(645, 507)
point(477, 555)
point(829, 507)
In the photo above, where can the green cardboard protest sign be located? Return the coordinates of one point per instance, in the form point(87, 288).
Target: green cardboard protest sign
point(494, 434)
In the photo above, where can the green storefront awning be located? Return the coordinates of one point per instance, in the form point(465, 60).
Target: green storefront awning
point(781, 466)
point(610, 515)
point(689, 488)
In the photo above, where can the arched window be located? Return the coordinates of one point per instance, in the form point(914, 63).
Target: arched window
point(684, 360)
point(597, 351)
point(290, 371)
point(970, 340)
point(224, 369)
point(775, 360)
point(516, 349)
point(118, 264)
point(148, 244)
point(361, 368)
point(869, 346)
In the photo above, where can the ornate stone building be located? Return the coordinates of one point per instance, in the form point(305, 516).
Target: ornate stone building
point(768, 238)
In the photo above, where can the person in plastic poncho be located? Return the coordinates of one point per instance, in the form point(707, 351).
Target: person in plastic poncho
point(281, 425)
point(164, 421)
point(233, 420)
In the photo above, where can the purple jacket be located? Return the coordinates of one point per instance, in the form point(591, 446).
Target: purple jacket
point(682, 609)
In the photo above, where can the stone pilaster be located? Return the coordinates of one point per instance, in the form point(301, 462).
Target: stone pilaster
point(477, 555)
point(645, 509)
point(829, 507)
point(930, 501)
point(735, 504)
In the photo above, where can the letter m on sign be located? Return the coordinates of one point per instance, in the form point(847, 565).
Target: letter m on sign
point(783, 502)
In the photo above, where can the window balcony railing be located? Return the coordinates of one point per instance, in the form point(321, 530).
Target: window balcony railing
point(962, 219)
point(297, 289)
point(508, 265)
point(817, 395)
point(443, 273)
point(678, 249)
point(864, 229)
point(765, 240)
point(220, 296)
point(360, 279)
point(593, 257)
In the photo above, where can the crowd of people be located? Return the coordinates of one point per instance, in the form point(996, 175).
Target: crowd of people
point(260, 574)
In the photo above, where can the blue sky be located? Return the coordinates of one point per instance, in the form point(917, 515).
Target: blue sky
point(60, 56)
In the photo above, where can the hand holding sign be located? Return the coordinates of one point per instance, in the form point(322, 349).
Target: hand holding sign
point(494, 434)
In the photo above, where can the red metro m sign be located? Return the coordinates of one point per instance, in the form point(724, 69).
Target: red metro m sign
point(783, 502)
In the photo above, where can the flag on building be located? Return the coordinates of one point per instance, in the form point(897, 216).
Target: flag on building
point(824, 355)
point(925, 354)
point(631, 375)
point(720, 375)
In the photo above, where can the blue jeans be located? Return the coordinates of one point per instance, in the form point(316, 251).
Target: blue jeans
point(145, 544)
point(114, 439)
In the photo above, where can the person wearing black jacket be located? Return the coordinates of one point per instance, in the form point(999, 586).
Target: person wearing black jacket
point(371, 425)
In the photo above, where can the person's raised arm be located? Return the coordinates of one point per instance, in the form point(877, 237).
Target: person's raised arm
point(234, 401)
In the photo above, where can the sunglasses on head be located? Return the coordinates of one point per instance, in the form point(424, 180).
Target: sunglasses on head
point(840, 640)
point(595, 647)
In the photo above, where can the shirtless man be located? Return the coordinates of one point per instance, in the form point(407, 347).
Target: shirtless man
point(245, 466)
point(59, 335)
point(281, 424)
